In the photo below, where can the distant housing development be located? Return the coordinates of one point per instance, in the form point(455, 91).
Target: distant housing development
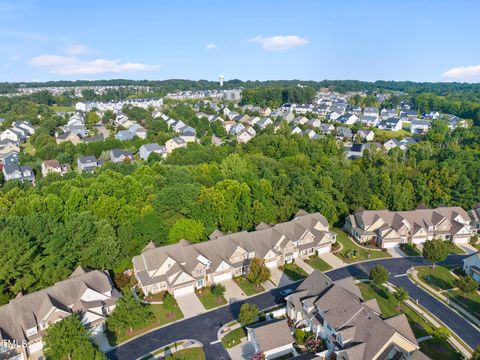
point(181, 268)
point(391, 228)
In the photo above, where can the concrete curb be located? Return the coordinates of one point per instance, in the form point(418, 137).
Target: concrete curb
point(186, 344)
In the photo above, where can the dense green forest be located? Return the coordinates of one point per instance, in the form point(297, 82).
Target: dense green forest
point(276, 96)
point(102, 220)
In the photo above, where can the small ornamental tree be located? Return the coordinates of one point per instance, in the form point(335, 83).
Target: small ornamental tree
point(169, 303)
point(435, 251)
point(466, 284)
point(258, 356)
point(248, 313)
point(378, 275)
point(129, 313)
point(257, 271)
point(441, 333)
point(476, 354)
point(218, 290)
point(401, 294)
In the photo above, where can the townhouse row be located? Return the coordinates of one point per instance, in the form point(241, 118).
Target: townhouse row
point(183, 267)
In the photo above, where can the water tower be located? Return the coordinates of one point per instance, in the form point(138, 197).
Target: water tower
point(220, 79)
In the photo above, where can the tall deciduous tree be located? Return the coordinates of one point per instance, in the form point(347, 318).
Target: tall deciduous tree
point(248, 313)
point(69, 339)
point(435, 251)
point(466, 284)
point(129, 313)
point(257, 271)
point(378, 275)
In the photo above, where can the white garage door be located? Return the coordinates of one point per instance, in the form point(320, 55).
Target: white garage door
point(222, 277)
point(419, 241)
point(183, 290)
point(271, 264)
point(35, 347)
point(460, 240)
point(97, 329)
point(323, 250)
point(388, 245)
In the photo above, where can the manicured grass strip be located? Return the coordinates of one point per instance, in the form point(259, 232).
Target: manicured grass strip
point(187, 354)
point(162, 317)
point(293, 271)
point(442, 279)
point(248, 287)
point(233, 337)
point(439, 350)
point(439, 278)
point(319, 264)
point(208, 300)
point(411, 251)
point(351, 252)
point(435, 348)
point(454, 249)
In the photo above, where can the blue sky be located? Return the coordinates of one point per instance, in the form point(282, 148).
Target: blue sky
point(415, 40)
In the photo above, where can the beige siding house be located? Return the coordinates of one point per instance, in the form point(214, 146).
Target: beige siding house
point(25, 319)
point(351, 327)
point(181, 268)
point(389, 228)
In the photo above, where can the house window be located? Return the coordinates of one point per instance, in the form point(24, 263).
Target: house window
point(200, 283)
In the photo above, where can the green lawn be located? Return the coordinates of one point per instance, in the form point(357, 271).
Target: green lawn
point(454, 249)
point(442, 279)
point(248, 287)
point(233, 338)
point(435, 348)
point(351, 252)
point(410, 250)
point(161, 317)
point(187, 354)
point(293, 271)
point(439, 278)
point(439, 350)
point(208, 300)
point(318, 264)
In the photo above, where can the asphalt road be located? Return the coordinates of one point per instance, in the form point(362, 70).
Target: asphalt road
point(204, 328)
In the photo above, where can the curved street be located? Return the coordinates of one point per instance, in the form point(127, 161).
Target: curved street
point(204, 327)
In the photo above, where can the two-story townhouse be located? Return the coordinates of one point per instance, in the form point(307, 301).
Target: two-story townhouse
point(351, 327)
point(182, 267)
point(389, 229)
point(26, 318)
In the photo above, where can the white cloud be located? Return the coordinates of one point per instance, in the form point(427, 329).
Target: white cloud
point(463, 72)
point(279, 42)
point(211, 46)
point(71, 65)
point(78, 49)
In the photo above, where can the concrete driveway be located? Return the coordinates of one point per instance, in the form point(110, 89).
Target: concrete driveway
point(332, 260)
point(233, 292)
point(190, 305)
point(469, 249)
point(396, 252)
point(279, 278)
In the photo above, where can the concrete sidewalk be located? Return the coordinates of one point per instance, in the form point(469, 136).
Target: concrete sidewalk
point(458, 345)
point(461, 311)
